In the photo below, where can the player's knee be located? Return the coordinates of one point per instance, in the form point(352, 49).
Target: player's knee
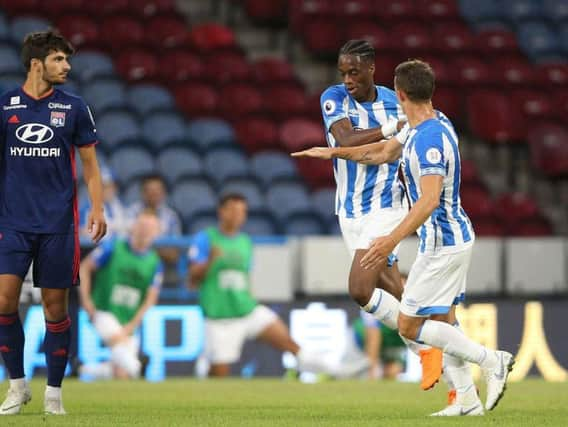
point(8, 305)
point(407, 329)
point(359, 292)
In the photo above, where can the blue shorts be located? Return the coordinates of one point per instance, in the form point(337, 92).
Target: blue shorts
point(55, 257)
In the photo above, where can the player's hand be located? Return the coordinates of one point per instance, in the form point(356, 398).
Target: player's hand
point(378, 252)
point(315, 152)
point(96, 225)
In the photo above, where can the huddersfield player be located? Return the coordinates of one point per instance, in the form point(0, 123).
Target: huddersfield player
point(370, 198)
point(431, 165)
point(40, 128)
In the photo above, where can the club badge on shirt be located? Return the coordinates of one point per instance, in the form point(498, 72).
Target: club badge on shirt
point(57, 119)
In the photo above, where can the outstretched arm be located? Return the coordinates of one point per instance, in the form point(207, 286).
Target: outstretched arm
point(369, 154)
point(346, 136)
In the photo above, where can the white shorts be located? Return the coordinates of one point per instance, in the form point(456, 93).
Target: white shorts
point(358, 233)
point(435, 282)
point(224, 338)
point(107, 326)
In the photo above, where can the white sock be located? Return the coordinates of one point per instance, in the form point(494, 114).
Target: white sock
point(384, 307)
point(18, 383)
point(455, 343)
point(312, 362)
point(98, 371)
point(53, 392)
point(122, 356)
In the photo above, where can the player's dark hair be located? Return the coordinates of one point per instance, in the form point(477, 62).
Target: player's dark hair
point(231, 197)
point(40, 44)
point(361, 48)
point(416, 78)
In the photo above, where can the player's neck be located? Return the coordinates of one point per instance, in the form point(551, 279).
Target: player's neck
point(36, 88)
point(227, 230)
point(419, 112)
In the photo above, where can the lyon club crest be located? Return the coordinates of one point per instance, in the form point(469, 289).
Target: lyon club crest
point(57, 119)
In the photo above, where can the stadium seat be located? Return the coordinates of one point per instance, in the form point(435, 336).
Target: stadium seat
point(115, 128)
point(396, 11)
point(271, 13)
point(9, 81)
point(533, 104)
point(269, 166)
point(57, 8)
point(488, 227)
point(261, 223)
point(411, 38)
point(273, 70)
point(227, 67)
point(517, 11)
point(166, 32)
point(469, 175)
point(178, 160)
point(4, 28)
point(120, 32)
point(480, 11)
point(80, 30)
point(491, 117)
point(20, 26)
point(317, 173)
point(561, 102)
point(514, 207)
point(257, 133)
point(452, 38)
point(384, 70)
point(290, 101)
point(137, 65)
point(104, 94)
point(88, 65)
point(513, 72)
point(247, 187)
point(533, 227)
point(163, 128)
point(440, 67)
point(130, 192)
point(370, 31)
point(211, 37)
point(303, 11)
point(470, 71)
point(23, 7)
point(496, 42)
point(555, 10)
point(322, 38)
point(304, 224)
point(197, 99)
point(224, 163)
point(553, 75)
point(180, 65)
point(286, 198)
point(9, 59)
point(476, 202)
point(297, 134)
point(323, 202)
point(206, 134)
point(437, 10)
point(149, 8)
point(200, 221)
point(149, 98)
point(537, 40)
point(192, 196)
point(355, 9)
point(108, 7)
point(131, 162)
point(450, 102)
point(240, 100)
point(549, 149)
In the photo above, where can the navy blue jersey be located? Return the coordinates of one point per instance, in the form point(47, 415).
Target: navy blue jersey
point(37, 169)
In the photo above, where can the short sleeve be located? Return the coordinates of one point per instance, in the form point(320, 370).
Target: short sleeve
point(158, 278)
point(85, 132)
point(102, 253)
point(332, 106)
point(429, 149)
point(199, 250)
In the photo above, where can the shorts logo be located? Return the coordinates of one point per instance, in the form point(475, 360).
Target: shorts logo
point(57, 119)
point(329, 107)
point(34, 133)
point(433, 155)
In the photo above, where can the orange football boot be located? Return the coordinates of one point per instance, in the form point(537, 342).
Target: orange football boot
point(431, 360)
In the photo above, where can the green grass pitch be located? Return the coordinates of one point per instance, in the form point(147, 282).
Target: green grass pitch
point(275, 402)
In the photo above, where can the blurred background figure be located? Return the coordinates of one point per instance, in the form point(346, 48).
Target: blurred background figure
point(120, 281)
point(221, 258)
point(115, 212)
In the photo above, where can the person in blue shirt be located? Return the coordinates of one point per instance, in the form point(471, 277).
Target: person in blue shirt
point(40, 129)
point(436, 282)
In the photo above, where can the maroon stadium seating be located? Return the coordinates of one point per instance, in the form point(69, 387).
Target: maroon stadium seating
point(209, 37)
point(513, 71)
point(257, 134)
point(491, 117)
point(239, 100)
point(322, 37)
point(119, 32)
point(549, 149)
point(149, 8)
point(449, 100)
point(515, 207)
point(197, 99)
point(317, 173)
point(297, 134)
point(437, 10)
point(273, 12)
point(180, 65)
point(412, 38)
point(285, 101)
point(469, 71)
point(452, 38)
point(108, 7)
point(371, 31)
point(272, 70)
point(488, 227)
point(553, 75)
point(496, 42)
point(137, 64)
point(395, 10)
point(532, 104)
point(166, 32)
point(20, 7)
point(80, 30)
point(224, 67)
point(476, 202)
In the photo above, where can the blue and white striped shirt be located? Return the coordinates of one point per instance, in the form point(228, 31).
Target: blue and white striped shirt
point(432, 149)
point(360, 188)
